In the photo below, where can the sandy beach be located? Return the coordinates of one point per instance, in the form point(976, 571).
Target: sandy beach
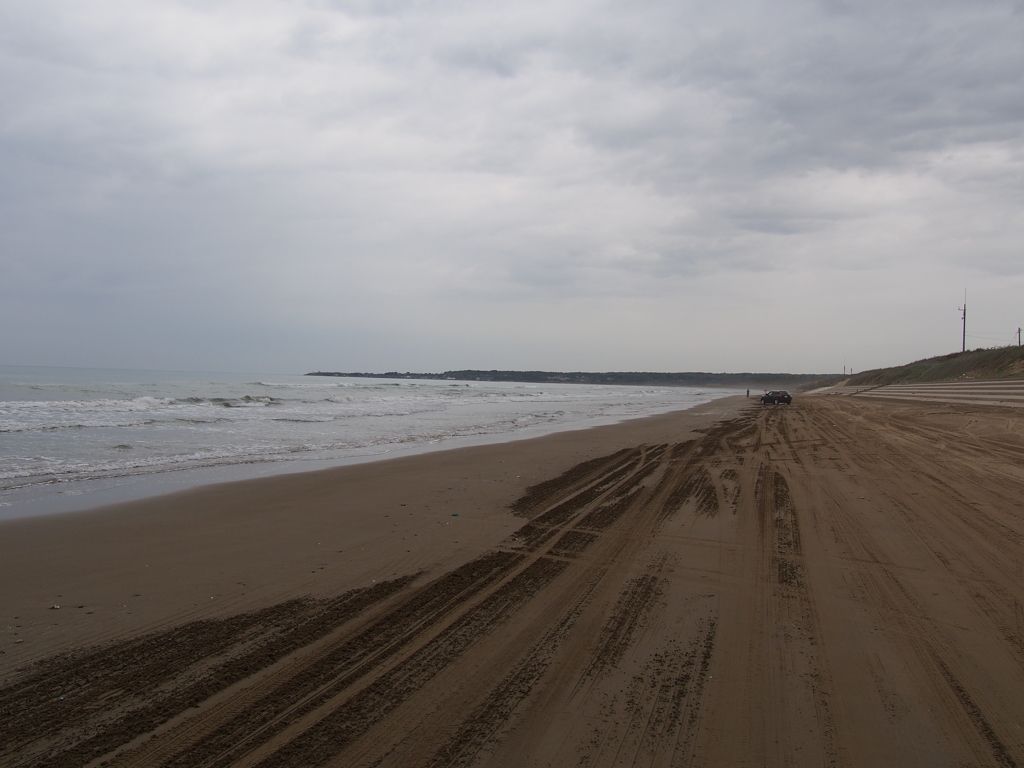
point(837, 582)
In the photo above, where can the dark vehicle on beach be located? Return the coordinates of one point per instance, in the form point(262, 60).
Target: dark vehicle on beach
point(776, 396)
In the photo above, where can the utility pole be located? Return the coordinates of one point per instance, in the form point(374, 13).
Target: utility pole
point(963, 343)
point(1018, 337)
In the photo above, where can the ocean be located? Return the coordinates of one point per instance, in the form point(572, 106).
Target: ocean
point(71, 438)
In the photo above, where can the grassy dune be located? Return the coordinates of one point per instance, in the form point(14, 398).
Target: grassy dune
point(999, 363)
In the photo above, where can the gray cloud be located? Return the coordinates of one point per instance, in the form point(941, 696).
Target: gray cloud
point(446, 184)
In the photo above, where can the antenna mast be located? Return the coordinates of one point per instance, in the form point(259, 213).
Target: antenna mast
point(963, 343)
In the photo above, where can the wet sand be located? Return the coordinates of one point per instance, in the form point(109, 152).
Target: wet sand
point(838, 582)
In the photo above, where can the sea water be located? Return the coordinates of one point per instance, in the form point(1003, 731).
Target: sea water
point(66, 432)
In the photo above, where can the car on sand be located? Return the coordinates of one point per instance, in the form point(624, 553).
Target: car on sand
point(776, 396)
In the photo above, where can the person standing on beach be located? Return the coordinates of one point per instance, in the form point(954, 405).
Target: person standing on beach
point(748, 393)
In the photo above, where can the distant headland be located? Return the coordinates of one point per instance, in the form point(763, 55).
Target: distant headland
point(690, 379)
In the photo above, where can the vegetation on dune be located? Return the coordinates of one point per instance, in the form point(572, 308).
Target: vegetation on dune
point(998, 363)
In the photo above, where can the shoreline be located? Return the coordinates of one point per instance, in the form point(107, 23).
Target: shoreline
point(220, 547)
point(68, 496)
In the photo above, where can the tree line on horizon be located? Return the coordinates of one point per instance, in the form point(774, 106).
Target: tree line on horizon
point(686, 379)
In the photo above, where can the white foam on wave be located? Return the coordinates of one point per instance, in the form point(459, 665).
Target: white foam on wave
point(98, 430)
point(21, 416)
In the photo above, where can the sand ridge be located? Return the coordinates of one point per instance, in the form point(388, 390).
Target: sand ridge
point(837, 582)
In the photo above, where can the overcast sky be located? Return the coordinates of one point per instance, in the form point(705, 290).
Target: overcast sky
point(563, 185)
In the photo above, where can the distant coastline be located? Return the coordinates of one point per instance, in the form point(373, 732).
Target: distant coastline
point(688, 379)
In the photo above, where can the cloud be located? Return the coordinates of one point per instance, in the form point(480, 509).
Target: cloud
point(299, 167)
